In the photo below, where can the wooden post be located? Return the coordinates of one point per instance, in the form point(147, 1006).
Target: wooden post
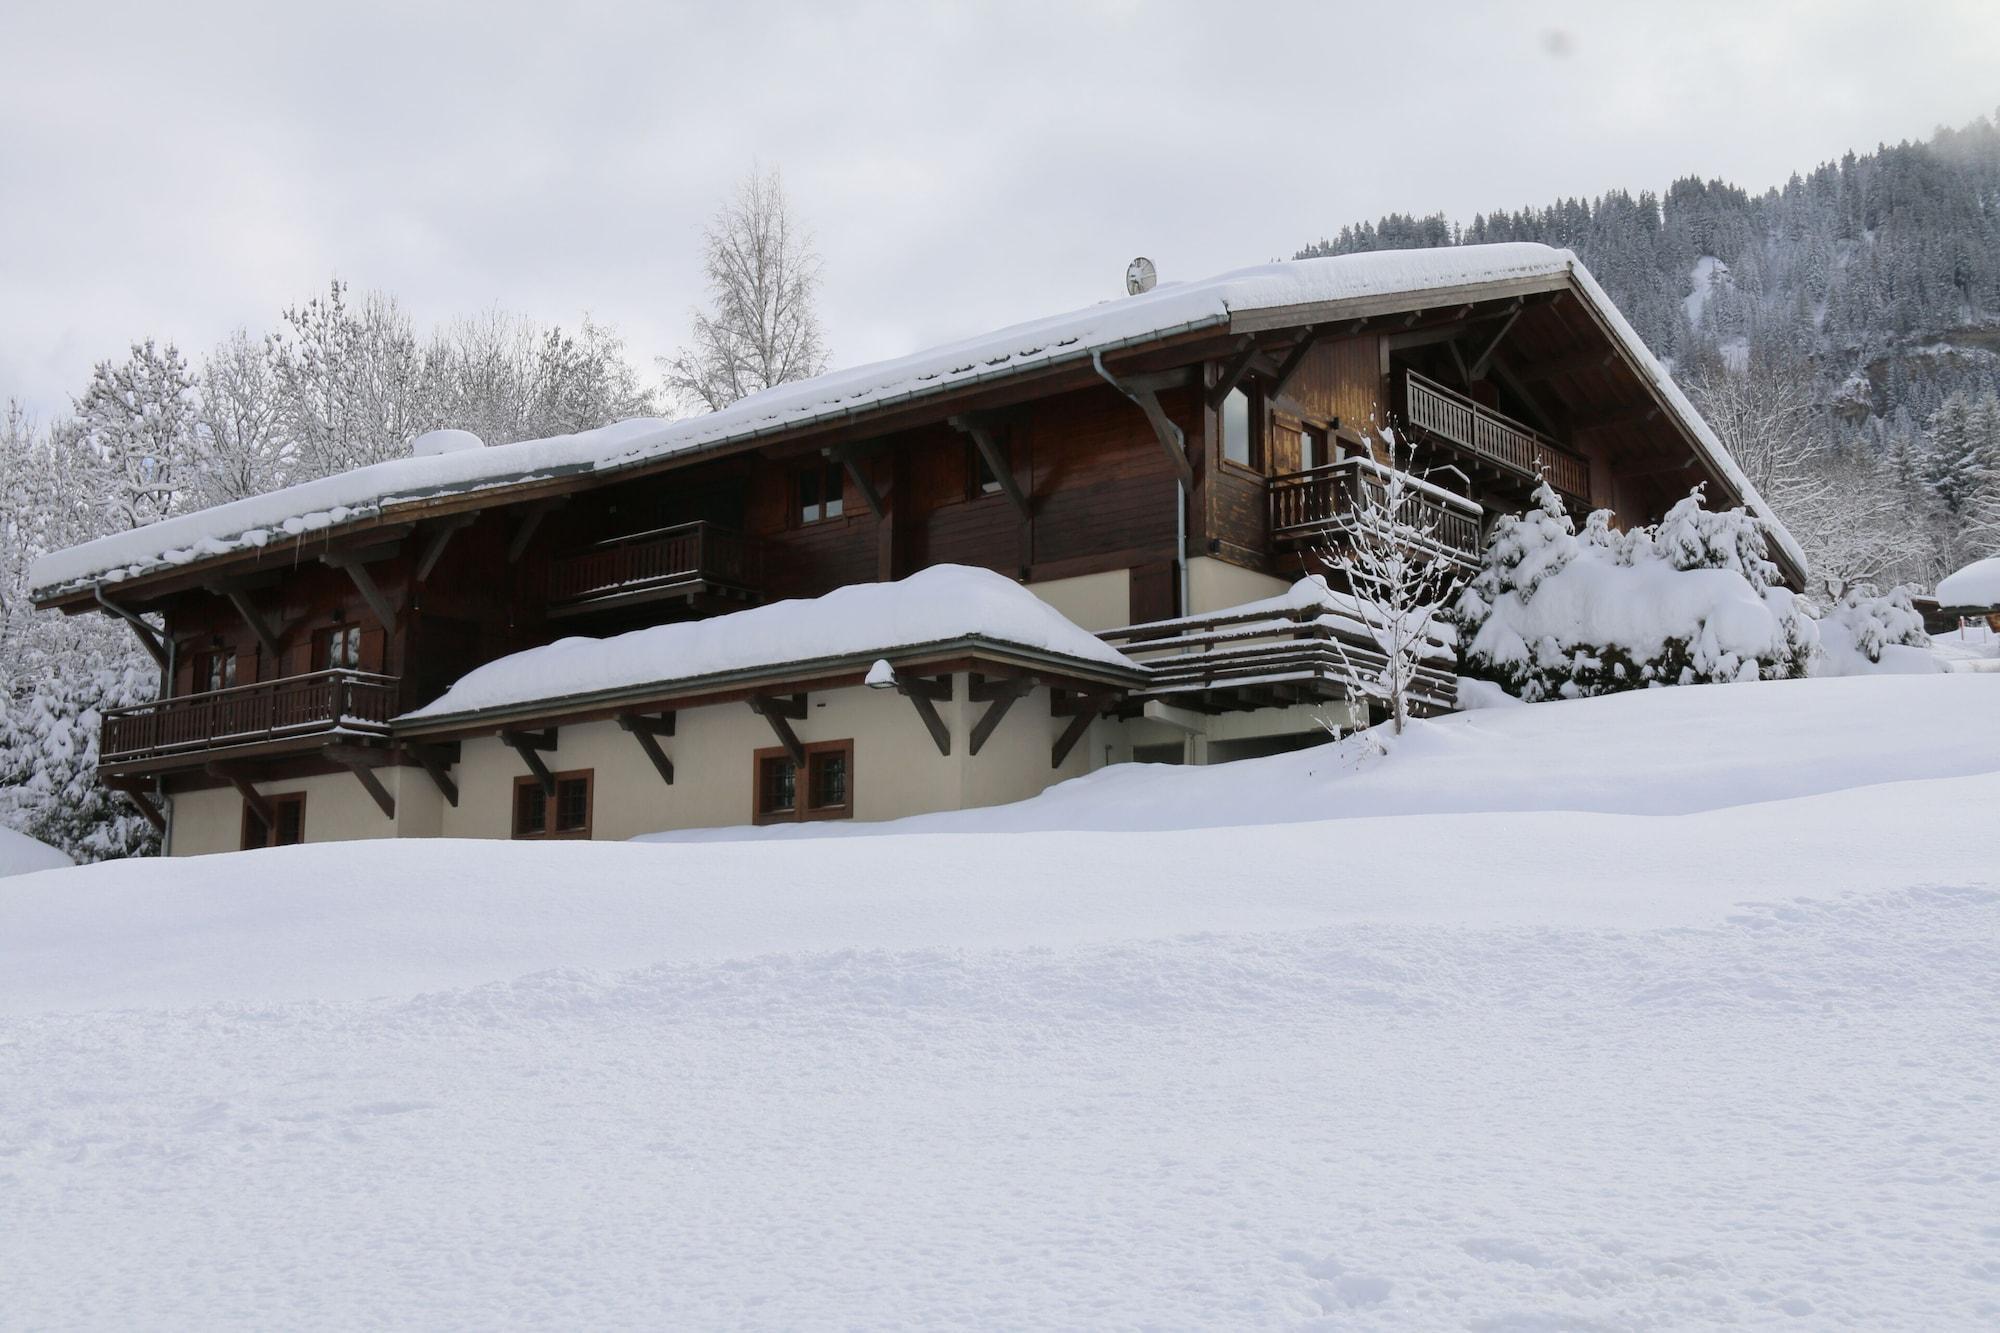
point(529, 744)
point(999, 696)
point(777, 711)
point(647, 731)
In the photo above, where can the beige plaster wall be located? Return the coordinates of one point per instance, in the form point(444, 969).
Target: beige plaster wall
point(338, 809)
point(1216, 585)
point(1094, 601)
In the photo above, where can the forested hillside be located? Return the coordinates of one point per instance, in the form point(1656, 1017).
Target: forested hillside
point(1842, 329)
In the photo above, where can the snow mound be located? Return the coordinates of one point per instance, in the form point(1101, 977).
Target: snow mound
point(942, 604)
point(432, 443)
point(1714, 1064)
point(1977, 585)
point(23, 855)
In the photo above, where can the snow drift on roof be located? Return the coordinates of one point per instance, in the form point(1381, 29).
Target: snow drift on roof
point(1978, 584)
point(1165, 310)
point(938, 605)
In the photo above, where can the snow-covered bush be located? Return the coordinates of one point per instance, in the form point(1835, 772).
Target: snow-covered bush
point(1866, 635)
point(1554, 613)
point(48, 764)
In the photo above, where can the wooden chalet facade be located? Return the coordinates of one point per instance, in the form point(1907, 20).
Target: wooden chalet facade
point(1147, 484)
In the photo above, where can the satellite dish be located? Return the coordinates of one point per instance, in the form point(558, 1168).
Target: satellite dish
point(432, 443)
point(1140, 275)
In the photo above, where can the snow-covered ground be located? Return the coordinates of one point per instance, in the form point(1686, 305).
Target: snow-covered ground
point(1665, 1010)
point(22, 855)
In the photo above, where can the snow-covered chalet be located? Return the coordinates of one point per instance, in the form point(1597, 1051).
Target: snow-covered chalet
point(932, 583)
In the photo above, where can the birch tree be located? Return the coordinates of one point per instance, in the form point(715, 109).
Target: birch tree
point(761, 328)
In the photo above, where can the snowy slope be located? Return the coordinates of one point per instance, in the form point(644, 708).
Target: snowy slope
point(1713, 1048)
point(21, 855)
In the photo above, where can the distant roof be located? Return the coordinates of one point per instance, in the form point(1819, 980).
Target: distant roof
point(1167, 310)
point(1977, 585)
point(936, 607)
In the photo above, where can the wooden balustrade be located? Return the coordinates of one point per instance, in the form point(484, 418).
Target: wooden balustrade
point(689, 554)
point(269, 710)
point(1501, 440)
point(1321, 503)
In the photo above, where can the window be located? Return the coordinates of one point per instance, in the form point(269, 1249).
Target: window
point(287, 826)
point(339, 647)
point(979, 477)
point(1312, 449)
point(821, 488)
point(563, 815)
point(215, 671)
point(1239, 435)
point(828, 789)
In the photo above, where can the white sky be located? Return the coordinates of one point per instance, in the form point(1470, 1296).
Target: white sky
point(178, 170)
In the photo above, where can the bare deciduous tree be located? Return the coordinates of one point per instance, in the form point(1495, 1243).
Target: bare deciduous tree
point(763, 277)
point(1400, 572)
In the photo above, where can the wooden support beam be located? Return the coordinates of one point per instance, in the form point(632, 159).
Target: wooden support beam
point(1577, 363)
point(530, 523)
point(1171, 437)
point(859, 475)
point(1295, 359)
point(780, 712)
point(149, 638)
point(529, 745)
point(923, 694)
point(1232, 373)
point(1087, 710)
point(647, 730)
point(253, 798)
point(999, 695)
point(266, 633)
point(996, 458)
point(361, 762)
point(440, 538)
point(364, 583)
point(142, 798)
point(436, 761)
point(1485, 356)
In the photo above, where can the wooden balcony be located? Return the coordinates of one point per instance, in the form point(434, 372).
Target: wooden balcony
point(193, 727)
point(690, 560)
point(1319, 506)
point(1514, 449)
point(1275, 653)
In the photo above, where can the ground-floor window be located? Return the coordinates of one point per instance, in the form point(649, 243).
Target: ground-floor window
point(824, 790)
point(287, 824)
point(565, 814)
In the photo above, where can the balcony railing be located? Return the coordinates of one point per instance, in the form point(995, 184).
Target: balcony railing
point(292, 706)
point(645, 564)
point(1286, 650)
point(1323, 503)
point(1486, 434)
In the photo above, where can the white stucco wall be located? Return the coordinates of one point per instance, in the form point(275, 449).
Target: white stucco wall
point(338, 809)
point(1216, 585)
point(1094, 601)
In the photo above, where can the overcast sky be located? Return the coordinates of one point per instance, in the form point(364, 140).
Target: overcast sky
point(179, 170)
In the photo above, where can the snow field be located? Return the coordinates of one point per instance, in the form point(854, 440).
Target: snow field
point(1659, 1011)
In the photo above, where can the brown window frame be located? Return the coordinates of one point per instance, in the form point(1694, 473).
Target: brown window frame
point(1256, 421)
point(803, 807)
point(344, 632)
point(291, 800)
point(549, 832)
point(832, 478)
point(218, 664)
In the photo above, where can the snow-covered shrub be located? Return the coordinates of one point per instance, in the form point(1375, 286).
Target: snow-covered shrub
point(1554, 613)
point(48, 764)
point(1867, 635)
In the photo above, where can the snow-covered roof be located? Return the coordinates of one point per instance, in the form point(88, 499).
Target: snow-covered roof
point(945, 604)
point(1978, 584)
point(1167, 310)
